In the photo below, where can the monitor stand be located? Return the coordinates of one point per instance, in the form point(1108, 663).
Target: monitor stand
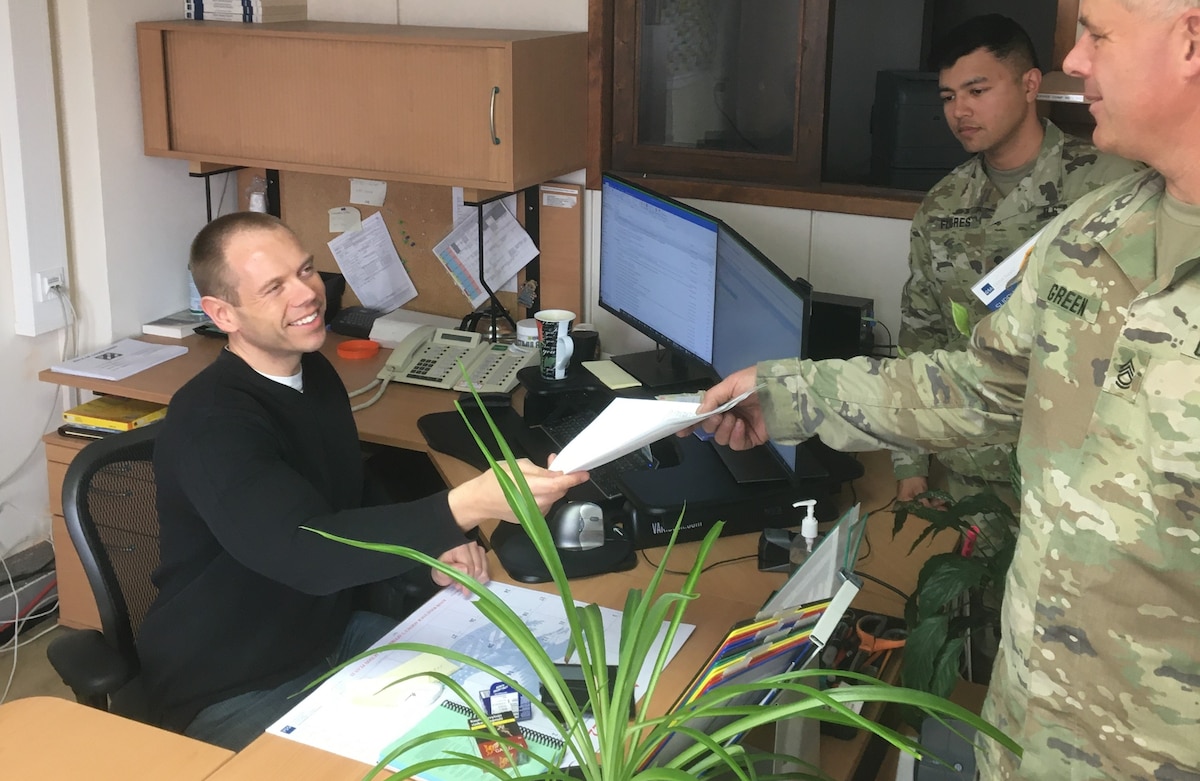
point(664, 368)
point(756, 465)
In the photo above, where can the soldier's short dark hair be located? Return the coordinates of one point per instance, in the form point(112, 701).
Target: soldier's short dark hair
point(1004, 38)
point(207, 259)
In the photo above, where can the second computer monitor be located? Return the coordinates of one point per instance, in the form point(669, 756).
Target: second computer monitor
point(759, 314)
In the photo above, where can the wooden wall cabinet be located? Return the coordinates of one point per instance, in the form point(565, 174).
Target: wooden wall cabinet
point(491, 109)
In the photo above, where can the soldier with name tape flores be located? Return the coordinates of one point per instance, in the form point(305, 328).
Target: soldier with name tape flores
point(1023, 172)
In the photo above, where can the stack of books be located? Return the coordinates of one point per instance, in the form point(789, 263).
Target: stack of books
point(176, 326)
point(109, 414)
point(256, 11)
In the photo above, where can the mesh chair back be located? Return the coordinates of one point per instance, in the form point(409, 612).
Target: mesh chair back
point(109, 503)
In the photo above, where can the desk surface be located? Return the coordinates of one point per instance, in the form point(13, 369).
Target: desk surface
point(728, 592)
point(47, 737)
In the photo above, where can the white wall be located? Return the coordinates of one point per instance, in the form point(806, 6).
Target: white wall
point(129, 221)
point(26, 409)
point(130, 217)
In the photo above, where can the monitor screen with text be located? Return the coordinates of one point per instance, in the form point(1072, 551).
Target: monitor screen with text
point(658, 266)
point(760, 314)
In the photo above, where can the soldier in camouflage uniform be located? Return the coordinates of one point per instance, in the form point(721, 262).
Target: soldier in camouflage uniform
point(1094, 363)
point(1024, 172)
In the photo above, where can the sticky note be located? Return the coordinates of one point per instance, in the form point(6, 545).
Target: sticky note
point(368, 192)
point(344, 219)
point(611, 375)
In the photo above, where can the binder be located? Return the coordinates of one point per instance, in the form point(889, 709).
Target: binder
point(786, 635)
point(454, 715)
point(754, 651)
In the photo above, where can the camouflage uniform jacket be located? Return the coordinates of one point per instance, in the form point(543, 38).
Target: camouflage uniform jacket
point(961, 231)
point(1095, 364)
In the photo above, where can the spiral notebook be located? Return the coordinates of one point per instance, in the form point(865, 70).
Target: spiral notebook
point(451, 714)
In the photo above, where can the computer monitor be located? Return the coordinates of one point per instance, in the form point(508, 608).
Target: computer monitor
point(759, 314)
point(658, 268)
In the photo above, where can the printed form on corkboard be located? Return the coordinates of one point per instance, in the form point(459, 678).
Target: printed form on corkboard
point(416, 216)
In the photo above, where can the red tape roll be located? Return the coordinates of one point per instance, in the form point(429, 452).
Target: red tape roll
point(358, 349)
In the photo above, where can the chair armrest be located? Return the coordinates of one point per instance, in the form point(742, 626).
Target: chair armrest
point(89, 665)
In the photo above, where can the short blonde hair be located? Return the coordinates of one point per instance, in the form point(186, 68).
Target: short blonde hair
point(207, 261)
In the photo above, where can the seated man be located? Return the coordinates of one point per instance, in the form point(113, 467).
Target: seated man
point(251, 607)
point(1023, 173)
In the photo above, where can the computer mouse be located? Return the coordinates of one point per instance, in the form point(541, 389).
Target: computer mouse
point(577, 526)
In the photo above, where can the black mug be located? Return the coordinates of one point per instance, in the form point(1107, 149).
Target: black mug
point(587, 344)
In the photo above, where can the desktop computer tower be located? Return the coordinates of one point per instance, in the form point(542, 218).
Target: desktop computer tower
point(840, 326)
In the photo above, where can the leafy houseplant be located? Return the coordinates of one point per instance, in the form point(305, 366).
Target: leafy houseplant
point(954, 610)
point(624, 744)
point(958, 593)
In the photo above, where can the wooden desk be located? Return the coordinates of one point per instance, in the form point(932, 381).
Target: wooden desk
point(47, 737)
point(728, 593)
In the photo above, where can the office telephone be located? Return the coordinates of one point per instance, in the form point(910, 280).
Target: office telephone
point(431, 356)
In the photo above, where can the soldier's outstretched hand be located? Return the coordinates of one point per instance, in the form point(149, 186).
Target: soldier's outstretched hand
point(742, 427)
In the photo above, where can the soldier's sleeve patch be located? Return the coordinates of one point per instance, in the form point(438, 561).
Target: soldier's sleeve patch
point(1125, 372)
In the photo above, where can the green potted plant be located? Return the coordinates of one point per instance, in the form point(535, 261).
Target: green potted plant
point(957, 598)
point(953, 615)
point(623, 743)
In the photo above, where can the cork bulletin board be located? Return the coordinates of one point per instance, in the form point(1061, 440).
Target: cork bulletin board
point(417, 216)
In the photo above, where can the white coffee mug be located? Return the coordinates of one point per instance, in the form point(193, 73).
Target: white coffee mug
point(554, 342)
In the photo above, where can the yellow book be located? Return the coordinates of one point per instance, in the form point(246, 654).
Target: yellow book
point(115, 413)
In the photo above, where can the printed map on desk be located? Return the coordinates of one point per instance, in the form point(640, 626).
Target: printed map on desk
point(353, 715)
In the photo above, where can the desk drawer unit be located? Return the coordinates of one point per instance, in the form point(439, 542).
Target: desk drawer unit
point(76, 606)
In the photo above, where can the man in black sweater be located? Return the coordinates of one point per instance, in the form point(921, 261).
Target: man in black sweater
point(251, 607)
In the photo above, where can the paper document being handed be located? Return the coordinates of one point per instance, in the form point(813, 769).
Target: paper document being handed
point(628, 424)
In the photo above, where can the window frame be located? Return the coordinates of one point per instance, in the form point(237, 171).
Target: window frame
point(818, 196)
point(802, 164)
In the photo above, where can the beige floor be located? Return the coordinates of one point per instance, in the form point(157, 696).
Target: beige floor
point(34, 675)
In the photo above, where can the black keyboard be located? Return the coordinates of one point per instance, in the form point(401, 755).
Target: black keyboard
point(563, 428)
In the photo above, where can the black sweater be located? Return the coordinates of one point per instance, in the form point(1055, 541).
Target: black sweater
point(247, 599)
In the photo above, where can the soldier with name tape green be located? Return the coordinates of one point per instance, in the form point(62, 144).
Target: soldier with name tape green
point(1024, 172)
point(1093, 369)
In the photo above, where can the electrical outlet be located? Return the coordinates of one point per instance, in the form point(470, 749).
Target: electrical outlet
point(44, 281)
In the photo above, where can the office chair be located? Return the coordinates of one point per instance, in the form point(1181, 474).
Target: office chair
point(112, 517)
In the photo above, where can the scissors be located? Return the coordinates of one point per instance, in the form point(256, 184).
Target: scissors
point(876, 643)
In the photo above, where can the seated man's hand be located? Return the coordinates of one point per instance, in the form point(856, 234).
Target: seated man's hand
point(469, 559)
point(742, 427)
point(481, 498)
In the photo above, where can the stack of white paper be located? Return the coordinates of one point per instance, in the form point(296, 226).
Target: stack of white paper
point(628, 424)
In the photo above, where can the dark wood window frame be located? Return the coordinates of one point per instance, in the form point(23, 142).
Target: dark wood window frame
point(603, 49)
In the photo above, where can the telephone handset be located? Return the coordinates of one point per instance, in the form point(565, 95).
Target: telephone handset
point(431, 356)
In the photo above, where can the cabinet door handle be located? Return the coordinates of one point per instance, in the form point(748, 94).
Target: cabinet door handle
point(492, 115)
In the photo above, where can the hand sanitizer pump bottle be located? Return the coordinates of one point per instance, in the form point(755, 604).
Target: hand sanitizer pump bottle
point(802, 543)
